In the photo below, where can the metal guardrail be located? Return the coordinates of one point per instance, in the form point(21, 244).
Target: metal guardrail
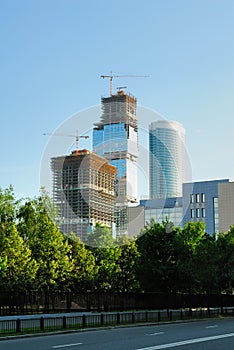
point(29, 324)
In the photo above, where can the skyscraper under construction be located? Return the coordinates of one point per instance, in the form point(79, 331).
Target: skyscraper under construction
point(115, 138)
point(83, 191)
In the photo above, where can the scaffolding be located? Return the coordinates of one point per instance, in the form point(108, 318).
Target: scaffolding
point(83, 191)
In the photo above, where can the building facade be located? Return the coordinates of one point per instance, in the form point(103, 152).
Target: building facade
point(115, 138)
point(166, 159)
point(163, 209)
point(136, 220)
point(201, 203)
point(211, 202)
point(226, 205)
point(83, 191)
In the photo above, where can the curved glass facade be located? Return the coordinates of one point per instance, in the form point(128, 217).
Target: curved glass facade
point(166, 159)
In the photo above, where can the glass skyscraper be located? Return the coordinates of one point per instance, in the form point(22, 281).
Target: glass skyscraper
point(166, 159)
point(115, 138)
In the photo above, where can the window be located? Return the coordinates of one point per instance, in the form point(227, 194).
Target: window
point(216, 214)
point(191, 198)
point(197, 212)
point(192, 213)
point(203, 212)
point(197, 198)
point(203, 197)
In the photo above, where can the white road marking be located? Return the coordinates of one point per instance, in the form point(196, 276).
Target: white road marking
point(189, 341)
point(155, 333)
point(65, 345)
point(214, 326)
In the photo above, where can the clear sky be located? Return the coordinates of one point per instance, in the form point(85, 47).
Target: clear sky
point(53, 52)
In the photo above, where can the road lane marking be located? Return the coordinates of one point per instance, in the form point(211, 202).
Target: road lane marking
point(214, 326)
point(189, 341)
point(65, 345)
point(155, 333)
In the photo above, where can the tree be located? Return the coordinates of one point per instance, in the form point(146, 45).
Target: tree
point(49, 246)
point(157, 265)
point(126, 279)
point(83, 268)
point(8, 205)
point(17, 267)
point(225, 248)
point(106, 254)
point(197, 259)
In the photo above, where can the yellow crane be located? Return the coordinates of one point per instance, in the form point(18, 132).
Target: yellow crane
point(111, 76)
point(76, 136)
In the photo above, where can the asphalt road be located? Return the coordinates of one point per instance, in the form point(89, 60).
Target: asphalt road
point(216, 334)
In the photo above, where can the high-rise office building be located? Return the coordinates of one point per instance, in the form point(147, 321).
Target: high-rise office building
point(83, 191)
point(166, 159)
point(115, 138)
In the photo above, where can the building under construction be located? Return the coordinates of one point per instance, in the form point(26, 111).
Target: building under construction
point(115, 137)
point(83, 191)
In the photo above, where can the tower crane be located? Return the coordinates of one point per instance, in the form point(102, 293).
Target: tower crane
point(111, 76)
point(76, 136)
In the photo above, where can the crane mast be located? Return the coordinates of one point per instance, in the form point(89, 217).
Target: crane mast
point(76, 136)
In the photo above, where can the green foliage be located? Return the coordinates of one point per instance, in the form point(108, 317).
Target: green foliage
point(34, 254)
point(48, 245)
point(8, 205)
point(126, 279)
point(17, 267)
point(102, 245)
point(225, 254)
point(157, 267)
point(83, 268)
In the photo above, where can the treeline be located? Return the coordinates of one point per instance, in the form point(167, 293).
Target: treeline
point(35, 255)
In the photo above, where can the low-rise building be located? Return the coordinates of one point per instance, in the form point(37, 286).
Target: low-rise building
point(201, 203)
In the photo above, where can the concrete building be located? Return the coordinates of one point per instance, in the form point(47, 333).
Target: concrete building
point(83, 191)
point(115, 138)
point(201, 203)
point(136, 220)
point(166, 159)
point(225, 205)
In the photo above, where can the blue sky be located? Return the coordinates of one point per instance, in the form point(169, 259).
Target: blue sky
point(52, 54)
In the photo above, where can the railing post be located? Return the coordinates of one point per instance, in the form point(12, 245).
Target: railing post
point(133, 317)
point(170, 315)
point(83, 321)
point(42, 325)
point(146, 316)
point(102, 319)
point(159, 316)
point(18, 325)
point(181, 314)
point(118, 318)
point(208, 310)
point(64, 322)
